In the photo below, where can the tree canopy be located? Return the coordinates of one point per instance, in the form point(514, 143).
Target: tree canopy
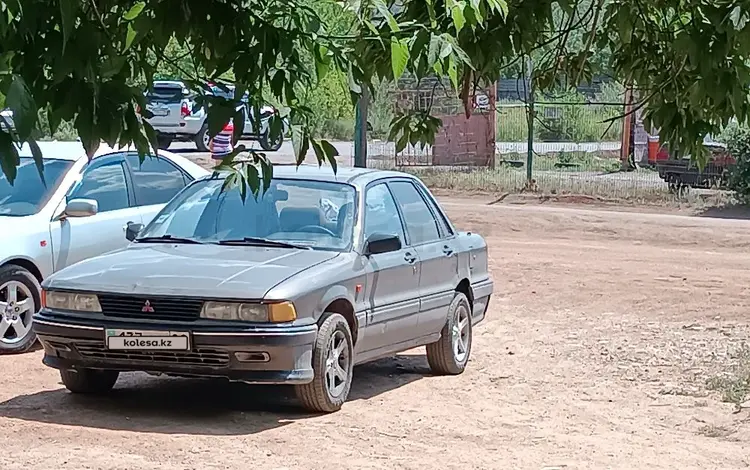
point(88, 61)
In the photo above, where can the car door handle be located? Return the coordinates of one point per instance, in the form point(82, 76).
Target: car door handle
point(447, 250)
point(410, 258)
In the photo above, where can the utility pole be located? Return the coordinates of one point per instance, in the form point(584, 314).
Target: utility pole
point(530, 124)
point(360, 130)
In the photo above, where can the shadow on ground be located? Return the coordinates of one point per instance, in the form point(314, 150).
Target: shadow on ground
point(191, 406)
point(733, 211)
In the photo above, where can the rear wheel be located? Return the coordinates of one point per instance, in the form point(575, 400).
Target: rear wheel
point(333, 363)
point(202, 139)
point(89, 381)
point(20, 298)
point(450, 354)
point(270, 145)
point(163, 141)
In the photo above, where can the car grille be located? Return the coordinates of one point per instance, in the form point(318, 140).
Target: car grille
point(162, 308)
point(197, 357)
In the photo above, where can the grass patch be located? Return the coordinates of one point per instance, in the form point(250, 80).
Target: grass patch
point(734, 384)
point(710, 430)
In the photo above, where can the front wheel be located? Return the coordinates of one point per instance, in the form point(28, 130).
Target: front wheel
point(20, 298)
point(450, 354)
point(333, 362)
point(89, 381)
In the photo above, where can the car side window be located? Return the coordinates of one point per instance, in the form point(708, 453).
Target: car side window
point(106, 185)
point(155, 181)
point(381, 215)
point(420, 223)
point(445, 227)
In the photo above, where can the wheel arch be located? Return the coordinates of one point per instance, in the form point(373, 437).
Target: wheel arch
point(26, 264)
point(338, 300)
point(464, 287)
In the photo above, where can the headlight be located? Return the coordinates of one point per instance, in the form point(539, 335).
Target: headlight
point(71, 301)
point(278, 312)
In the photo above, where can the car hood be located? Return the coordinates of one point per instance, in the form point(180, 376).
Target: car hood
point(208, 271)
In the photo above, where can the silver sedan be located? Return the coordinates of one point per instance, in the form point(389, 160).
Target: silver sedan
point(317, 274)
point(78, 210)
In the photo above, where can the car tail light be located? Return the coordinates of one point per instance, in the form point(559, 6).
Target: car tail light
point(184, 110)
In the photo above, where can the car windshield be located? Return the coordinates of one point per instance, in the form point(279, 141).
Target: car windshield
point(297, 213)
point(28, 193)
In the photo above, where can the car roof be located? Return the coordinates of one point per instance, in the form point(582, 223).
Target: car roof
point(72, 151)
point(354, 176)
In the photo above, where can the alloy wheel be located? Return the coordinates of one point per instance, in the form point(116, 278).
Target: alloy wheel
point(17, 308)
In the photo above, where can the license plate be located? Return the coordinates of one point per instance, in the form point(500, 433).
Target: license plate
point(160, 111)
point(148, 340)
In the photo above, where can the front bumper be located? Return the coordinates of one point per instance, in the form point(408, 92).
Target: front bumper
point(267, 355)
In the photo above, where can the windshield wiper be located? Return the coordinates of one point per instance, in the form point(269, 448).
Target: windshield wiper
point(168, 239)
point(256, 241)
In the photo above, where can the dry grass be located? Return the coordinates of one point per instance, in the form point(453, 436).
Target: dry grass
point(734, 383)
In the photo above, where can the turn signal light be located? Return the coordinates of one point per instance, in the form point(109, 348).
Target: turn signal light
point(281, 312)
point(44, 298)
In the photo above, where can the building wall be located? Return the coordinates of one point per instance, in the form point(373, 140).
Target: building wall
point(461, 140)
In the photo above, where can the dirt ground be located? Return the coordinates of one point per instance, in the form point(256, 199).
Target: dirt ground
point(606, 338)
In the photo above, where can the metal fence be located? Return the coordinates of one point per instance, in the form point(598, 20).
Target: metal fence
point(576, 149)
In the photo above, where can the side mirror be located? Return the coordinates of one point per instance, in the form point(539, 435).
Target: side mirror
point(81, 208)
point(132, 230)
point(382, 243)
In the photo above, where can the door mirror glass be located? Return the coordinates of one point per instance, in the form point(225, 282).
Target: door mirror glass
point(81, 208)
point(382, 243)
point(132, 231)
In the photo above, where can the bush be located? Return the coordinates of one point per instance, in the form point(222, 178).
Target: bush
point(738, 142)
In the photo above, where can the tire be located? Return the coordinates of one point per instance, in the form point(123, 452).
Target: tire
point(25, 288)
point(442, 356)
point(201, 139)
point(269, 146)
point(317, 396)
point(89, 381)
point(163, 142)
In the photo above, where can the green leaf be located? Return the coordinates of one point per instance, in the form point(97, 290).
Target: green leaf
point(457, 13)
point(453, 72)
point(68, 12)
point(8, 156)
point(267, 172)
point(385, 12)
point(130, 36)
point(238, 121)
point(300, 143)
point(20, 101)
point(500, 6)
point(399, 57)
point(36, 153)
point(322, 61)
point(151, 135)
point(111, 66)
point(253, 179)
point(330, 153)
point(320, 155)
point(218, 117)
point(134, 11)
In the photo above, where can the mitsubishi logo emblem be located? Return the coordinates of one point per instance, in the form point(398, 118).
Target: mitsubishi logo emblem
point(147, 307)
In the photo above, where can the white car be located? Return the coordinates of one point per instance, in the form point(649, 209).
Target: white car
point(82, 209)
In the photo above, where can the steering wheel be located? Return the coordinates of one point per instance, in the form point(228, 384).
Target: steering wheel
point(316, 229)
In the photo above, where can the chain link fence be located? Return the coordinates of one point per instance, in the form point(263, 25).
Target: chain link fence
point(576, 149)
